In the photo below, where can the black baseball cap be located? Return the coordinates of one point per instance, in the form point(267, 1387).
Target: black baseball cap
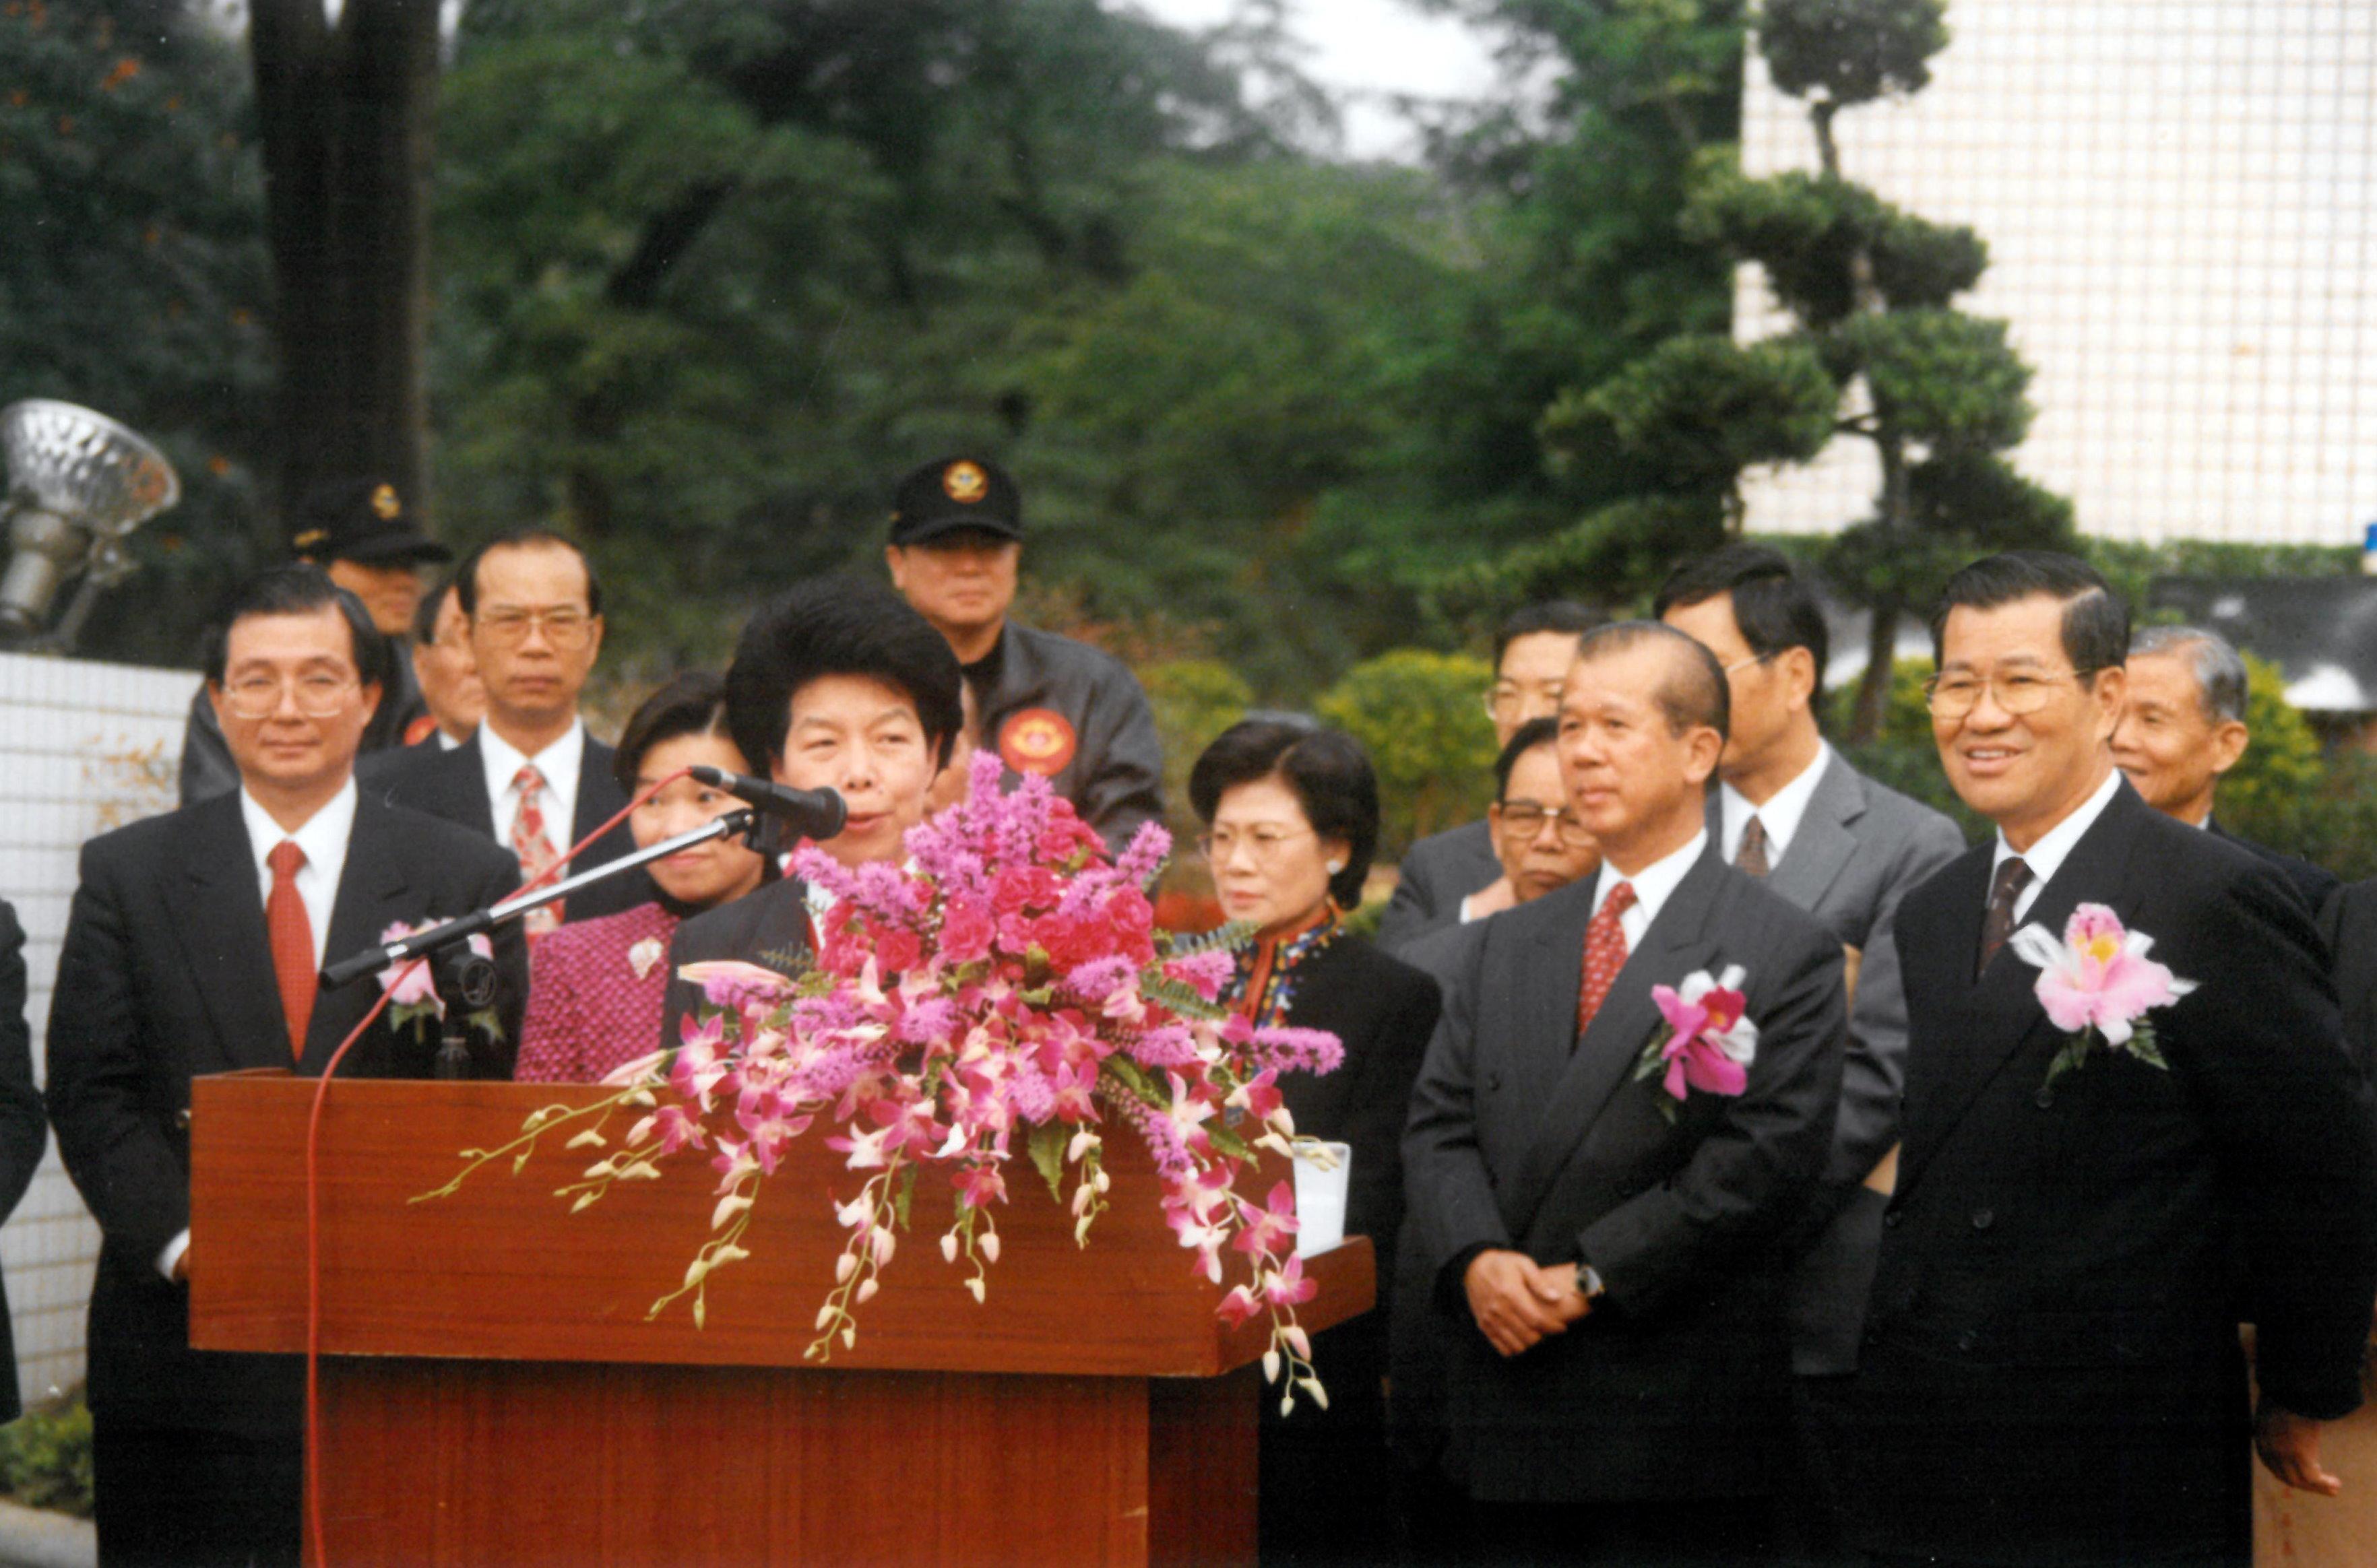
point(363, 520)
point(956, 493)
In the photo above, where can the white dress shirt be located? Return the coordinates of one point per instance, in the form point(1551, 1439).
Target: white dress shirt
point(1653, 885)
point(558, 763)
point(1780, 816)
point(2047, 857)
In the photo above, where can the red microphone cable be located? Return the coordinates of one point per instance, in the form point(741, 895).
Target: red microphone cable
point(314, 1184)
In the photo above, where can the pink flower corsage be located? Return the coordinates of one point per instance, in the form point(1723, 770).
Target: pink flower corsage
point(413, 999)
point(2096, 982)
point(1708, 1044)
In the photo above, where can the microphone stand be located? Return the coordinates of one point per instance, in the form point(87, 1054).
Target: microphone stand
point(744, 820)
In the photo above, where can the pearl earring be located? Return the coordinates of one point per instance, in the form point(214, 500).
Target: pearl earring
point(1336, 866)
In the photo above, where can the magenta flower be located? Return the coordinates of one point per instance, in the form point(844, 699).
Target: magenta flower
point(1269, 1230)
point(736, 986)
point(1709, 1044)
point(2098, 976)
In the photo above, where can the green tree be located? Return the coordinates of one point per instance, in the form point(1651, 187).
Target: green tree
point(1937, 394)
point(1419, 715)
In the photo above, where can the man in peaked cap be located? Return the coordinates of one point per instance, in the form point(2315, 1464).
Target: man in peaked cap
point(1049, 705)
point(360, 532)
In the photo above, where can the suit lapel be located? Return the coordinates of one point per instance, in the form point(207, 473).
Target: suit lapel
point(219, 919)
point(1985, 1024)
point(597, 792)
point(1822, 844)
point(1602, 1062)
point(463, 783)
point(370, 886)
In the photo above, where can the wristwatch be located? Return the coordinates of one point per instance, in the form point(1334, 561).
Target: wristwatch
point(1588, 1279)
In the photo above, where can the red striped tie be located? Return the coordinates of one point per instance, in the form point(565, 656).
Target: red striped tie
point(533, 846)
point(1605, 953)
point(292, 943)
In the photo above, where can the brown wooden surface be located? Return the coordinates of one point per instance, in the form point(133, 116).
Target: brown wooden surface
point(454, 1465)
point(502, 1270)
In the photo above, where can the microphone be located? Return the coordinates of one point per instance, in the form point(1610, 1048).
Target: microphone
point(817, 813)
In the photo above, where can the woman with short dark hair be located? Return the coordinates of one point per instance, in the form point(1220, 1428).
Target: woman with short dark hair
point(596, 989)
point(1291, 813)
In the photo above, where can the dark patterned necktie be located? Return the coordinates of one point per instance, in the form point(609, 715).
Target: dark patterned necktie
point(1605, 953)
point(1751, 856)
point(2005, 892)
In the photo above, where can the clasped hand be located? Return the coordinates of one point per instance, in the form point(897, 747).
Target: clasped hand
point(1517, 1303)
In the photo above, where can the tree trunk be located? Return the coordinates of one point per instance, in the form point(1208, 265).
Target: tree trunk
point(346, 115)
point(1881, 657)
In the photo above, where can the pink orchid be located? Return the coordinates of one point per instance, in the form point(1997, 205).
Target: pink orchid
point(2098, 976)
point(736, 986)
point(1286, 1286)
point(412, 983)
point(1710, 1044)
point(1271, 1229)
point(677, 1128)
point(1237, 1307)
point(981, 1185)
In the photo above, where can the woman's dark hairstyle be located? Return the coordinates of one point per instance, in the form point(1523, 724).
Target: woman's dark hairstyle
point(1773, 608)
point(1533, 733)
point(1692, 692)
point(466, 575)
point(299, 588)
point(691, 704)
point(839, 625)
point(1551, 615)
point(2095, 619)
point(1328, 770)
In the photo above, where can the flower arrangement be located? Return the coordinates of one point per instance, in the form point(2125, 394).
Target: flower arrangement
point(1004, 992)
point(2097, 983)
point(1707, 1045)
point(411, 986)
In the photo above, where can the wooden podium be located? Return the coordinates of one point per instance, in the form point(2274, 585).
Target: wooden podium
point(491, 1392)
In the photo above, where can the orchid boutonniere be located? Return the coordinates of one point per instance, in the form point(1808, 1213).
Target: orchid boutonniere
point(1708, 1044)
point(413, 999)
point(2098, 981)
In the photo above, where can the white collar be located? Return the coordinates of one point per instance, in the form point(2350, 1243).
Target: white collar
point(1652, 884)
point(323, 837)
point(2054, 847)
point(1780, 816)
point(559, 762)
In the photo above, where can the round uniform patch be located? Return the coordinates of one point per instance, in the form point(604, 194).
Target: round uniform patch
point(965, 482)
point(1037, 740)
point(384, 504)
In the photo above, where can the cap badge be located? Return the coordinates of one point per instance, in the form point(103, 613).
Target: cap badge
point(384, 504)
point(1038, 741)
point(309, 538)
point(965, 482)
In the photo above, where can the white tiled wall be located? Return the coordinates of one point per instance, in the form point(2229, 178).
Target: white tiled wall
point(83, 747)
point(2180, 202)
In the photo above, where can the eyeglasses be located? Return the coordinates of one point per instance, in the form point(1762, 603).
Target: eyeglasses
point(563, 629)
point(1527, 819)
point(1263, 844)
point(1508, 698)
point(320, 694)
point(1745, 663)
point(1956, 696)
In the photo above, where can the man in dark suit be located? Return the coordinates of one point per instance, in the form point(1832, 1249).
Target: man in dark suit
point(1620, 1394)
point(2051, 1373)
point(23, 1133)
point(839, 686)
point(1532, 650)
point(532, 778)
point(193, 946)
point(1848, 851)
point(2183, 726)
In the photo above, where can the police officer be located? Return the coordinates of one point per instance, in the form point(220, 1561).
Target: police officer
point(1050, 706)
point(359, 533)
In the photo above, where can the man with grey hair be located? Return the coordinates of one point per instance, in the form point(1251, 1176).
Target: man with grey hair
point(2183, 727)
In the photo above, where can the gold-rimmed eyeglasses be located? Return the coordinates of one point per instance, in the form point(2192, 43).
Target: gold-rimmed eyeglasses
point(1527, 819)
point(1263, 844)
point(2018, 692)
point(319, 694)
point(563, 628)
point(1507, 697)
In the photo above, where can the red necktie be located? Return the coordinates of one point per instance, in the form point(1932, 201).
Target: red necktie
point(1605, 953)
point(292, 943)
point(531, 844)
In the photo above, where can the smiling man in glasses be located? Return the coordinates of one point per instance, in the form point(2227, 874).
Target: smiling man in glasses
point(193, 946)
point(2090, 1199)
point(1846, 849)
point(532, 778)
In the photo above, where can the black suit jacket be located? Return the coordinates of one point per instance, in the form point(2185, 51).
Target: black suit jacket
point(2316, 884)
point(453, 785)
point(1524, 1136)
point(1437, 873)
point(769, 925)
point(166, 974)
point(2060, 1279)
point(2348, 925)
point(23, 1133)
